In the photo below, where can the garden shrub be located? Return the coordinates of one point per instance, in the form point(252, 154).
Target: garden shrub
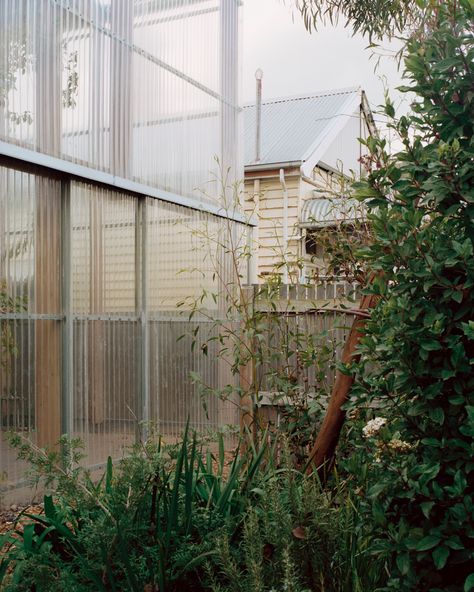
point(298, 537)
point(179, 518)
point(416, 471)
point(149, 522)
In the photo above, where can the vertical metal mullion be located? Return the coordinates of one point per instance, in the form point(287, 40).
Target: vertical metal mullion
point(67, 310)
point(141, 291)
point(121, 19)
point(228, 25)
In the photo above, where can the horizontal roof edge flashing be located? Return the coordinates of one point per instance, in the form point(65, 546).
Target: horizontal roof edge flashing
point(272, 165)
point(84, 173)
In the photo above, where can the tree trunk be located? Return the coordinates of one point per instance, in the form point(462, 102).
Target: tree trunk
point(322, 453)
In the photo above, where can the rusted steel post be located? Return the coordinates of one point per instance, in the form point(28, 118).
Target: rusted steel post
point(322, 453)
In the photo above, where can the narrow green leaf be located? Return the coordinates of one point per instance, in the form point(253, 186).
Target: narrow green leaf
point(28, 533)
point(174, 502)
point(4, 565)
point(221, 453)
point(49, 509)
point(108, 476)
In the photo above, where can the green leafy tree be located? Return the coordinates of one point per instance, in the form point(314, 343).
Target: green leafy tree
point(416, 468)
point(375, 18)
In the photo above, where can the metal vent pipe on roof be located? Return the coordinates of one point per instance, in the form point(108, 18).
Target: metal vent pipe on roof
point(258, 113)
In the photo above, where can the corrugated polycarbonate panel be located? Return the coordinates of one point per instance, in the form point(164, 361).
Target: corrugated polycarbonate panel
point(30, 320)
point(105, 406)
point(174, 399)
point(189, 262)
point(183, 34)
point(85, 60)
point(145, 90)
point(182, 126)
point(130, 259)
point(180, 260)
point(97, 287)
point(17, 70)
point(105, 324)
point(103, 242)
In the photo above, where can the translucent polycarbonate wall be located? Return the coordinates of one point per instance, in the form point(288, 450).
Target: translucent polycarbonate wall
point(30, 309)
point(98, 272)
point(144, 89)
point(105, 330)
point(96, 339)
point(205, 273)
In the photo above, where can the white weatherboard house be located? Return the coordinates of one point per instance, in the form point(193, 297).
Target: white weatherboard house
point(308, 145)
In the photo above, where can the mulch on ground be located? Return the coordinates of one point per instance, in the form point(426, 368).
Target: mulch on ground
point(13, 518)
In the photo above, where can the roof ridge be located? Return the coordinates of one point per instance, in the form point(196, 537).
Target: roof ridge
point(325, 93)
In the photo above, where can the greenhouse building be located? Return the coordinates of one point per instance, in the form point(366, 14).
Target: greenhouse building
point(117, 118)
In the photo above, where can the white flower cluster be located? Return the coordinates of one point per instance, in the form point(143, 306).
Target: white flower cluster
point(399, 445)
point(372, 428)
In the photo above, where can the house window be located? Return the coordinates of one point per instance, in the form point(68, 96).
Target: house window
point(312, 247)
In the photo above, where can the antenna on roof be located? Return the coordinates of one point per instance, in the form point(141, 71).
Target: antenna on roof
point(258, 105)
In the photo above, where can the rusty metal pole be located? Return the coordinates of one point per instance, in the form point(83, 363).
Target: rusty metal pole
point(322, 454)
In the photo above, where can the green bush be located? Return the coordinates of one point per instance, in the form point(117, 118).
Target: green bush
point(416, 473)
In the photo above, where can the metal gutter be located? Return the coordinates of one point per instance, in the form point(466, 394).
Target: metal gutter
point(310, 181)
point(84, 173)
point(271, 165)
point(329, 169)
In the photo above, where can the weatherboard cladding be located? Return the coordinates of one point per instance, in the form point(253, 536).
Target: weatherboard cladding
point(290, 127)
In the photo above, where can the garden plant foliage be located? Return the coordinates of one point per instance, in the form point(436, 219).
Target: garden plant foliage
point(417, 470)
point(176, 517)
point(373, 18)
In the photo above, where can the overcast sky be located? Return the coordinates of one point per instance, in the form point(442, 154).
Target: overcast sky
point(297, 62)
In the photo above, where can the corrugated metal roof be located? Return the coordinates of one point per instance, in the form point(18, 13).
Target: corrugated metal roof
point(322, 212)
point(291, 126)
